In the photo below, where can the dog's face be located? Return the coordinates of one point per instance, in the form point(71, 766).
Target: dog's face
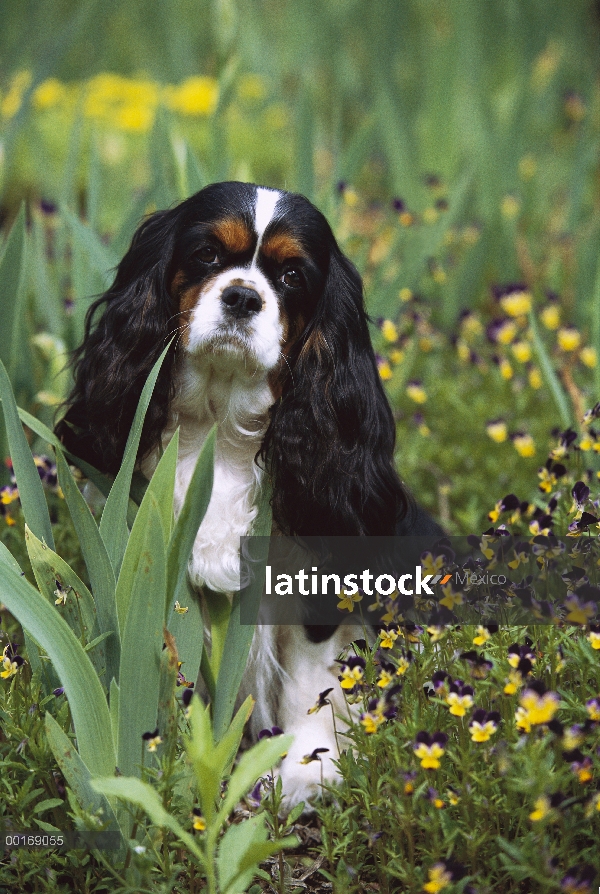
point(248, 266)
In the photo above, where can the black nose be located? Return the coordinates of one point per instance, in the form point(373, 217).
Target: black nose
point(241, 301)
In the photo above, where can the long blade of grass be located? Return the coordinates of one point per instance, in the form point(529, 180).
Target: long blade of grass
point(31, 492)
point(113, 524)
point(100, 571)
point(12, 266)
point(75, 671)
point(141, 644)
point(549, 374)
point(239, 636)
point(189, 520)
point(78, 776)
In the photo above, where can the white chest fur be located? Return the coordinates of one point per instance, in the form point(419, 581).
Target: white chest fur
point(210, 390)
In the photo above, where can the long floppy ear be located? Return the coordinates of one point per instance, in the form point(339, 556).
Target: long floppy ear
point(330, 442)
point(115, 359)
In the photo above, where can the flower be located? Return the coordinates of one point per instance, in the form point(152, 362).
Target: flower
point(321, 701)
point(199, 822)
point(550, 315)
point(153, 739)
point(441, 875)
point(497, 430)
point(389, 330)
point(483, 724)
point(522, 351)
point(537, 706)
point(388, 638)
point(11, 661)
point(568, 338)
point(523, 443)
point(385, 370)
point(545, 807)
point(352, 672)
point(194, 96)
point(592, 706)
point(180, 609)
point(578, 879)
point(588, 357)
point(515, 300)
point(313, 756)
point(430, 748)
point(594, 636)
point(460, 697)
point(484, 633)
point(416, 391)
point(348, 601)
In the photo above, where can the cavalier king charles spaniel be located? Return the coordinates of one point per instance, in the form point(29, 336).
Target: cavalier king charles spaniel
point(274, 347)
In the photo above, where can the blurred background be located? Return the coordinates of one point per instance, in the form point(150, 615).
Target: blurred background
point(453, 145)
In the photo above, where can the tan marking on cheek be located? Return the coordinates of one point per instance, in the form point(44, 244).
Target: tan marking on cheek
point(282, 246)
point(233, 234)
point(186, 299)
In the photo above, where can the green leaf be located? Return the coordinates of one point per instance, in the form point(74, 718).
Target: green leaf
point(54, 576)
point(243, 847)
point(219, 609)
point(201, 753)
point(76, 673)
point(549, 374)
point(7, 558)
point(102, 578)
point(113, 525)
point(140, 793)
point(239, 636)
point(190, 518)
point(31, 492)
point(11, 293)
point(253, 763)
point(188, 631)
point(100, 257)
point(141, 642)
point(228, 747)
point(162, 485)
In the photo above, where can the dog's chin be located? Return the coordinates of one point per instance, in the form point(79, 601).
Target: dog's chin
point(226, 344)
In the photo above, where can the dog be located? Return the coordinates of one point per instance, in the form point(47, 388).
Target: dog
point(273, 345)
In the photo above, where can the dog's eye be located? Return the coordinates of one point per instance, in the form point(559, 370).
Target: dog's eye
point(291, 278)
point(208, 254)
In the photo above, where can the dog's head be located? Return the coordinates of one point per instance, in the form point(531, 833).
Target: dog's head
point(253, 278)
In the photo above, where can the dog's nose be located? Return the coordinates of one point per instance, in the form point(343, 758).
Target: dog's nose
point(241, 301)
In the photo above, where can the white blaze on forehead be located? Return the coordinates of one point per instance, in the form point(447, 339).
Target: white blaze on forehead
point(266, 200)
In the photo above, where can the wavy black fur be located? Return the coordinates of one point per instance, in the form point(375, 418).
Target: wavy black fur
point(115, 358)
point(330, 442)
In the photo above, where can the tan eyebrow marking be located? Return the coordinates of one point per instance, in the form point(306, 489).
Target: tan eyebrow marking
point(233, 234)
point(282, 246)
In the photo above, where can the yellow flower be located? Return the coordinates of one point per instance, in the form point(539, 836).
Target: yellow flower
point(430, 215)
point(535, 378)
point(516, 303)
point(536, 709)
point(550, 316)
point(439, 878)
point(195, 96)
point(346, 604)
point(497, 430)
point(396, 356)
point(389, 331)
point(522, 351)
point(48, 94)
point(11, 103)
point(588, 357)
point(372, 721)
point(429, 755)
point(542, 809)
point(524, 444)
point(451, 597)
point(510, 207)
point(405, 294)
point(482, 637)
point(385, 370)
point(199, 821)
point(568, 338)
point(506, 370)
point(594, 638)
point(416, 392)
point(459, 703)
point(388, 638)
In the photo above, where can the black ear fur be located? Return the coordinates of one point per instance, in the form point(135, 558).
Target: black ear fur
point(115, 359)
point(330, 441)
